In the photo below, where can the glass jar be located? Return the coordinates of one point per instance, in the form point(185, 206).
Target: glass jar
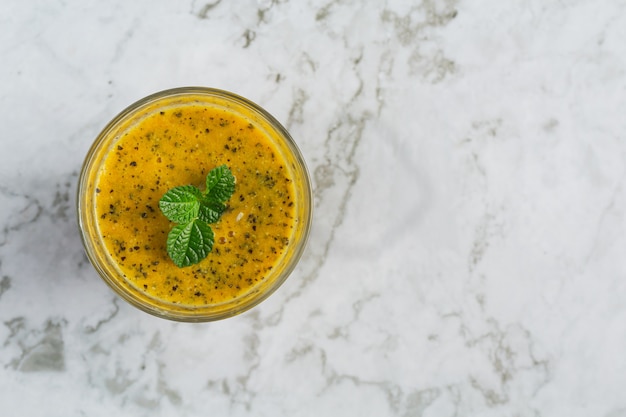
point(180, 134)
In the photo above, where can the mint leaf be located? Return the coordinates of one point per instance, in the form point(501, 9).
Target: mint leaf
point(188, 244)
point(220, 184)
point(210, 211)
point(191, 241)
point(181, 204)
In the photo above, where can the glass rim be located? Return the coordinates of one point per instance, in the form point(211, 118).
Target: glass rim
point(202, 313)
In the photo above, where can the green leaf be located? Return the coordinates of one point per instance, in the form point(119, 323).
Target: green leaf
point(220, 184)
point(210, 211)
point(181, 204)
point(189, 243)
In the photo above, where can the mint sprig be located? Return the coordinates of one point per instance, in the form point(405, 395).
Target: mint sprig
point(191, 240)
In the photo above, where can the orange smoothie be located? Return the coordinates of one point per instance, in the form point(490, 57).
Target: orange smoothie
point(177, 141)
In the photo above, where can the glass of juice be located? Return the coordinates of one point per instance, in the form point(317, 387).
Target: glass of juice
point(174, 138)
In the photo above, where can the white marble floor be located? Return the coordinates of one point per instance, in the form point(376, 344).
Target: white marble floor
point(468, 251)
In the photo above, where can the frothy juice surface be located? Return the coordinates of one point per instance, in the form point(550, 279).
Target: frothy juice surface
point(179, 145)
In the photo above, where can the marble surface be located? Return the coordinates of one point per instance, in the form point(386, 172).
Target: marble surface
point(467, 255)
